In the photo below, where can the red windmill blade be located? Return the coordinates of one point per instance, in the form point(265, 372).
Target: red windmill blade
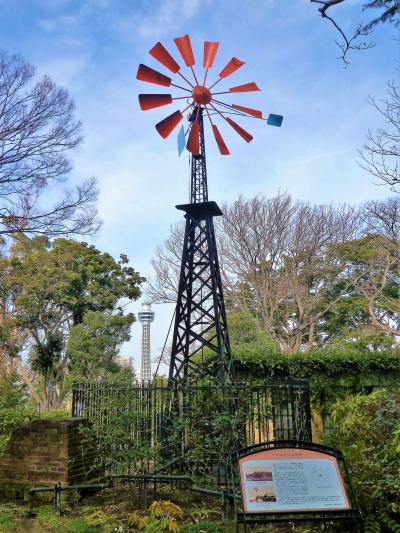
point(185, 49)
point(243, 133)
point(164, 57)
point(254, 112)
point(233, 65)
point(246, 88)
point(152, 76)
point(199, 97)
point(210, 51)
point(150, 101)
point(220, 141)
point(165, 127)
point(193, 144)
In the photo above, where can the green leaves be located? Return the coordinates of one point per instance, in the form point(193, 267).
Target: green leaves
point(62, 302)
point(93, 344)
point(365, 429)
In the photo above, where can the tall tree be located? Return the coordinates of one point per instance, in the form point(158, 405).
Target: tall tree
point(375, 261)
point(53, 290)
point(166, 263)
point(93, 345)
point(38, 131)
point(278, 264)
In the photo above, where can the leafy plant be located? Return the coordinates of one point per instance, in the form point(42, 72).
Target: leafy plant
point(100, 518)
point(163, 518)
point(158, 525)
point(200, 514)
point(366, 429)
point(137, 520)
point(165, 509)
point(6, 522)
point(46, 517)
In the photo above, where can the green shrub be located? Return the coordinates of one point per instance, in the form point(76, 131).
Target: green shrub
point(10, 418)
point(11, 393)
point(6, 523)
point(333, 374)
point(367, 430)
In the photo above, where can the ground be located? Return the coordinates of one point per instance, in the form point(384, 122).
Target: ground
point(110, 510)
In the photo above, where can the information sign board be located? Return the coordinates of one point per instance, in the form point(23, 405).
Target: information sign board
point(291, 479)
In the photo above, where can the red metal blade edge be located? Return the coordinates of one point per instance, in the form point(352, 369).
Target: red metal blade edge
point(210, 51)
point(166, 126)
point(243, 133)
point(254, 112)
point(246, 88)
point(150, 75)
point(193, 144)
point(150, 101)
point(185, 49)
point(220, 141)
point(233, 65)
point(162, 55)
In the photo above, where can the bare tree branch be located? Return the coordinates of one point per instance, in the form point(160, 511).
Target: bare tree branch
point(37, 132)
point(275, 263)
point(348, 43)
point(380, 154)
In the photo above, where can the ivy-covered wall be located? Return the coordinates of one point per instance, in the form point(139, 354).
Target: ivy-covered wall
point(332, 374)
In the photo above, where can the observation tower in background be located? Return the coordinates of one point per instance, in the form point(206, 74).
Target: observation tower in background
point(146, 317)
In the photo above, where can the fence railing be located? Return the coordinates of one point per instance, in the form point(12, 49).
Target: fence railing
point(140, 428)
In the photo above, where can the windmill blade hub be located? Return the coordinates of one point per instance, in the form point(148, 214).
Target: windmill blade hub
point(201, 95)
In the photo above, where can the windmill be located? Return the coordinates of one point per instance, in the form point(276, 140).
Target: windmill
point(200, 317)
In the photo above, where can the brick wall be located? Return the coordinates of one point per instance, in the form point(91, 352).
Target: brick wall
point(46, 451)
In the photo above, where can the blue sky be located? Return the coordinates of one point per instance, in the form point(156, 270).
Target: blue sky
point(93, 48)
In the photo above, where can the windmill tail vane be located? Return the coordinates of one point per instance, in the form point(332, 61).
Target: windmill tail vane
point(198, 94)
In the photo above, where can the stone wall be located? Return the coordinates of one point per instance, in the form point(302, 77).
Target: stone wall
point(43, 452)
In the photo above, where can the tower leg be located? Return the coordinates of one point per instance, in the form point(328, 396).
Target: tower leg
point(200, 344)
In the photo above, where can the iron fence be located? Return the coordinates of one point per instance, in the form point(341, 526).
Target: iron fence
point(142, 429)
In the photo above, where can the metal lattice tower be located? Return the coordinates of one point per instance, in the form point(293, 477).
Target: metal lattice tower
point(200, 319)
point(146, 317)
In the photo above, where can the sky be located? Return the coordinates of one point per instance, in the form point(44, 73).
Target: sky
point(93, 48)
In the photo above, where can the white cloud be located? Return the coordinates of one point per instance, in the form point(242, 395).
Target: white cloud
point(170, 15)
point(65, 70)
point(52, 25)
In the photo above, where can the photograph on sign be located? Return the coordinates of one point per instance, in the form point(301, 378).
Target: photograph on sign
point(259, 494)
point(258, 474)
point(291, 480)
